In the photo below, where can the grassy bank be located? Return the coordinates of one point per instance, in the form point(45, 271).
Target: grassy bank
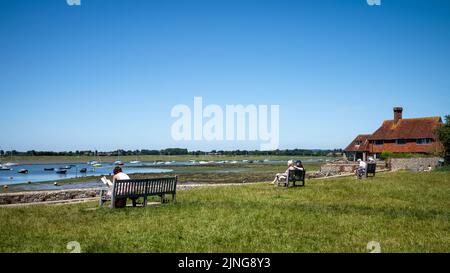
point(405, 212)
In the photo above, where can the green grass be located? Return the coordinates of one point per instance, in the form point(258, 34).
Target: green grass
point(405, 212)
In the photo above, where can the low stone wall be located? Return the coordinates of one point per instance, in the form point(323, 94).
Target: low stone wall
point(42, 196)
point(343, 167)
point(415, 163)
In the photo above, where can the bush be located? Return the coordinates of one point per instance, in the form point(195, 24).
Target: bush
point(388, 154)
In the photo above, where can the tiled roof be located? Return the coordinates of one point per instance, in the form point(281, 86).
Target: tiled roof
point(413, 128)
point(355, 147)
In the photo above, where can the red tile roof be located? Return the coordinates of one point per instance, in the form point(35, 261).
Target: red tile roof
point(363, 147)
point(413, 128)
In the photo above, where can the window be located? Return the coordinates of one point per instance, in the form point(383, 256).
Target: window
point(358, 143)
point(378, 142)
point(400, 141)
point(424, 141)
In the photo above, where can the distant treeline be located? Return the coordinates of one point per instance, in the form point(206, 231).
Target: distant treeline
point(176, 151)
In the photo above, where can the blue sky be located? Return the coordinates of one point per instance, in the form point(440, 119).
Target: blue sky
point(71, 77)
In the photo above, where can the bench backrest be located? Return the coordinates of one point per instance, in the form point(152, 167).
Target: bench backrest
point(144, 187)
point(296, 175)
point(371, 167)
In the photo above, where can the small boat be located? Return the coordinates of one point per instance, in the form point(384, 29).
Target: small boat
point(119, 163)
point(9, 164)
point(49, 169)
point(4, 168)
point(61, 171)
point(135, 162)
point(97, 165)
point(23, 171)
point(83, 170)
point(66, 168)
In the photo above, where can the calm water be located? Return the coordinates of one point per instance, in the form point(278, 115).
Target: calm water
point(36, 172)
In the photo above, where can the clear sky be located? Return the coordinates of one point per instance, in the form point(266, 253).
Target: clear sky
point(72, 76)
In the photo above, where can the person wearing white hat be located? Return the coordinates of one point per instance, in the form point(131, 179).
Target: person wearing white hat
point(362, 168)
point(282, 176)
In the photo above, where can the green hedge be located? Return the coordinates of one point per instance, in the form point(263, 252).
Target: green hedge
point(388, 154)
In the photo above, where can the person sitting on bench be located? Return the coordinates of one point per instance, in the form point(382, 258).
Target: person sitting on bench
point(299, 165)
point(118, 175)
point(362, 168)
point(281, 176)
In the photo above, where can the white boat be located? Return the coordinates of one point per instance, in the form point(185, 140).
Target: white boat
point(203, 162)
point(233, 162)
point(5, 168)
point(135, 162)
point(92, 162)
point(9, 164)
point(119, 163)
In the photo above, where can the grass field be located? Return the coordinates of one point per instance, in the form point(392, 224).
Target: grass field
point(404, 212)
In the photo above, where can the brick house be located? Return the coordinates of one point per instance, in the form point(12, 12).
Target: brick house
point(415, 135)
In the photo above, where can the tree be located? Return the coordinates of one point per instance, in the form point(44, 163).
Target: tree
point(444, 137)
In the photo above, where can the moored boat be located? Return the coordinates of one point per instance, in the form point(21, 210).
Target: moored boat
point(61, 171)
point(83, 170)
point(49, 169)
point(23, 171)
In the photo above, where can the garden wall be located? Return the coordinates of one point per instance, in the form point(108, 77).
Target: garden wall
point(415, 163)
point(43, 196)
point(343, 167)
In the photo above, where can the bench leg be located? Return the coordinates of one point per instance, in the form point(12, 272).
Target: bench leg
point(145, 201)
point(133, 201)
point(174, 198)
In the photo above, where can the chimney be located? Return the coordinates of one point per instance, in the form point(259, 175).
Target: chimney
point(398, 114)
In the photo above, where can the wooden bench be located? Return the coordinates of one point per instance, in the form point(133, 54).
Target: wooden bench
point(137, 188)
point(371, 169)
point(294, 176)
